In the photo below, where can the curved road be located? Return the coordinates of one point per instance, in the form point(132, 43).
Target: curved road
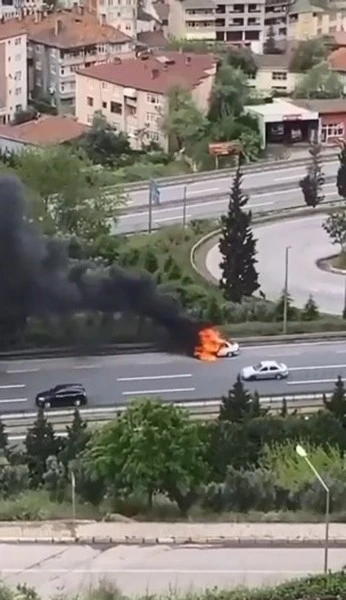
point(112, 381)
point(308, 242)
point(207, 199)
point(134, 570)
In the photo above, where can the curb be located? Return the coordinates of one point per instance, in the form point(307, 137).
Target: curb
point(248, 542)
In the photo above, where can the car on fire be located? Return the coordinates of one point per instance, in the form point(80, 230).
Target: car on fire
point(267, 369)
point(62, 396)
point(228, 349)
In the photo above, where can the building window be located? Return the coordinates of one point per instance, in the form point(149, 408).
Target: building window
point(116, 108)
point(53, 69)
point(252, 76)
point(38, 65)
point(89, 119)
point(18, 75)
point(38, 48)
point(279, 76)
point(18, 91)
point(332, 130)
point(104, 85)
point(104, 105)
point(153, 136)
point(90, 101)
point(18, 41)
point(153, 99)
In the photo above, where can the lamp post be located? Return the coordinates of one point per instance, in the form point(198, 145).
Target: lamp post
point(303, 454)
point(184, 206)
point(286, 291)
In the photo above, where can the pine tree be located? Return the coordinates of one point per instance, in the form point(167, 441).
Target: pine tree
point(312, 184)
point(40, 444)
point(341, 176)
point(239, 404)
point(337, 403)
point(310, 310)
point(77, 438)
point(279, 308)
point(237, 246)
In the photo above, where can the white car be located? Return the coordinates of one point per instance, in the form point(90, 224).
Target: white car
point(228, 349)
point(267, 369)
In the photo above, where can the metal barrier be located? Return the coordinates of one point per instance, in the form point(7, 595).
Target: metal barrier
point(218, 174)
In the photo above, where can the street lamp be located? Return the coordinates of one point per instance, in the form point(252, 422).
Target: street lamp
point(286, 291)
point(303, 454)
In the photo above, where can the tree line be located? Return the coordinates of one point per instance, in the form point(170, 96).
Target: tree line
point(243, 460)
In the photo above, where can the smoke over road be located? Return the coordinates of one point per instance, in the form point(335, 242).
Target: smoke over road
point(37, 279)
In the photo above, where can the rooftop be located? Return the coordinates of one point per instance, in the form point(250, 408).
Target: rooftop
point(304, 6)
point(65, 29)
point(340, 38)
point(337, 59)
point(278, 109)
point(157, 73)
point(11, 29)
point(152, 39)
point(162, 10)
point(273, 61)
point(331, 106)
point(47, 130)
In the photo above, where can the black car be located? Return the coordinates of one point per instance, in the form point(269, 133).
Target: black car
point(66, 394)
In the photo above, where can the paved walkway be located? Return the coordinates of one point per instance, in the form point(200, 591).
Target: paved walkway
point(170, 533)
point(308, 242)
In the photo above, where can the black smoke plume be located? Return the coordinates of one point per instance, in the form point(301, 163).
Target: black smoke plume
point(37, 278)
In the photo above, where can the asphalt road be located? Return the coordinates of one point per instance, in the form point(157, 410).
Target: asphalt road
point(275, 176)
point(112, 381)
point(204, 201)
point(137, 570)
point(307, 242)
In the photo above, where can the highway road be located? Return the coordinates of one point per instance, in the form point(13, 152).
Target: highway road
point(138, 570)
point(271, 176)
point(115, 380)
point(213, 206)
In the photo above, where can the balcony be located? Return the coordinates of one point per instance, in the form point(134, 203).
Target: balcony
point(200, 33)
point(130, 94)
point(200, 16)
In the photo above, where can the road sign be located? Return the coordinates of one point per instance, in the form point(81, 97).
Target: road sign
point(155, 192)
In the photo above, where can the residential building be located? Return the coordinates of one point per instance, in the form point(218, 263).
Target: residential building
point(332, 115)
point(220, 20)
point(13, 70)
point(192, 20)
point(47, 130)
point(307, 21)
point(9, 9)
point(121, 14)
point(161, 10)
point(275, 18)
point(133, 93)
point(273, 74)
point(61, 42)
point(337, 62)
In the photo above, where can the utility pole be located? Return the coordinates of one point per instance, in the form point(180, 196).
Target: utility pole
point(286, 291)
point(184, 206)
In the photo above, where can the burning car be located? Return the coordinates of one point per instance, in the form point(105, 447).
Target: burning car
point(212, 345)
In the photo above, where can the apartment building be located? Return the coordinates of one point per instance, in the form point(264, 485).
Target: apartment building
point(9, 9)
point(121, 14)
point(239, 22)
point(132, 93)
point(61, 42)
point(275, 18)
point(13, 70)
point(307, 21)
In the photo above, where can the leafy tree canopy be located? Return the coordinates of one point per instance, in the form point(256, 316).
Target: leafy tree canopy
point(183, 121)
point(308, 54)
point(230, 93)
point(104, 146)
point(320, 82)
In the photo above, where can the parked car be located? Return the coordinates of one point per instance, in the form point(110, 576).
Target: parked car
point(228, 349)
point(267, 369)
point(62, 396)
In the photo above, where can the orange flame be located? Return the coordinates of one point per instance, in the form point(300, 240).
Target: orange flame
point(210, 340)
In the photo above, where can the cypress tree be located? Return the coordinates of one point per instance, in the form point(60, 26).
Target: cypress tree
point(341, 176)
point(237, 245)
point(312, 184)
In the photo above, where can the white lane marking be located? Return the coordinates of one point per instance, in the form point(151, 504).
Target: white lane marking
point(10, 387)
point(173, 218)
point(10, 400)
point(204, 192)
point(308, 381)
point(167, 391)
point(288, 178)
point(86, 366)
point(317, 367)
point(13, 371)
point(43, 570)
point(154, 377)
point(296, 345)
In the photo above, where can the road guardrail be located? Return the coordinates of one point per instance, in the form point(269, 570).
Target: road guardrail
point(217, 174)
point(199, 409)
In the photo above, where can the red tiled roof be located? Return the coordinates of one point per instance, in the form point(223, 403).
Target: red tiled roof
point(45, 131)
point(152, 74)
point(153, 39)
point(76, 30)
point(337, 59)
point(11, 29)
point(340, 38)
